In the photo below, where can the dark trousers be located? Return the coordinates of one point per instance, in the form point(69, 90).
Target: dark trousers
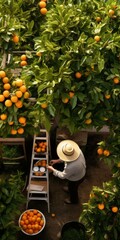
point(73, 190)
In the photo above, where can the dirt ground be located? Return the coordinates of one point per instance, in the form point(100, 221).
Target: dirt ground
point(97, 173)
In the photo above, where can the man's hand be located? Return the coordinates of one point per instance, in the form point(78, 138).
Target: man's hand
point(50, 168)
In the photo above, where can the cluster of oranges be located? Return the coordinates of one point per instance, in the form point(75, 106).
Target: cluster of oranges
point(41, 163)
point(32, 222)
point(104, 152)
point(12, 94)
point(42, 4)
point(40, 147)
point(23, 61)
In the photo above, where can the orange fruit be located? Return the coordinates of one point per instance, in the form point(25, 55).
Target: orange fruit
point(88, 121)
point(107, 96)
point(11, 123)
point(101, 206)
point(6, 86)
point(2, 74)
point(14, 99)
point(23, 63)
point(8, 103)
point(23, 88)
point(98, 19)
point(6, 93)
point(71, 94)
point(39, 54)
point(23, 57)
point(2, 98)
point(78, 74)
point(26, 95)
point(15, 38)
point(111, 12)
point(19, 104)
point(44, 105)
point(14, 83)
point(42, 4)
point(100, 151)
point(97, 38)
point(20, 130)
point(18, 93)
point(22, 120)
point(106, 153)
point(13, 131)
point(3, 116)
point(65, 100)
point(115, 209)
point(116, 80)
point(19, 82)
point(43, 11)
point(5, 80)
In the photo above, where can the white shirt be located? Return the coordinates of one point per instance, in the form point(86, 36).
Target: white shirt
point(74, 170)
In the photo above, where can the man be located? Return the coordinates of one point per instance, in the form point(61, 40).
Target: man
point(74, 167)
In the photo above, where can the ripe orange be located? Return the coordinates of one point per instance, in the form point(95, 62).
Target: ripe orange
point(39, 54)
point(115, 209)
point(71, 94)
point(107, 96)
point(100, 151)
point(5, 80)
point(2, 74)
point(8, 103)
point(3, 116)
point(43, 11)
point(15, 38)
point(88, 121)
point(101, 206)
point(19, 82)
point(14, 99)
point(116, 80)
point(13, 131)
point(98, 19)
point(78, 74)
point(23, 63)
point(20, 130)
point(42, 4)
point(106, 153)
point(19, 104)
point(11, 123)
point(111, 12)
point(6, 93)
point(23, 57)
point(97, 38)
point(65, 100)
point(2, 98)
point(18, 93)
point(23, 88)
point(44, 105)
point(22, 120)
point(26, 95)
point(6, 86)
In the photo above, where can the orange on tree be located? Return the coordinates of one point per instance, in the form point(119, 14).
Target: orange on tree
point(23, 57)
point(3, 116)
point(18, 93)
point(14, 98)
point(13, 131)
point(39, 54)
point(2, 74)
point(116, 80)
point(65, 100)
point(107, 96)
point(19, 104)
point(71, 94)
point(8, 103)
point(42, 4)
point(23, 63)
point(6, 93)
point(20, 130)
point(15, 38)
point(43, 11)
point(19, 82)
point(114, 209)
point(2, 98)
point(26, 95)
point(22, 120)
point(97, 38)
point(23, 89)
point(100, 151)
point(5, 80)
point(44, 105)
point(78, 75)
point(111, 12)
point(98, 19)
point(88, 121)
point(106, 152)
point(11, 123)
point(101, 206)
point(6, 86)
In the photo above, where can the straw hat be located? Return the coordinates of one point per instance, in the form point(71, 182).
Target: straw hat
point(68, 150)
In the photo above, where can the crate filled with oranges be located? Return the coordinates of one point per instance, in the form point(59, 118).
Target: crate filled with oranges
point(39, 168)
point(40, 147)
point(32, 222)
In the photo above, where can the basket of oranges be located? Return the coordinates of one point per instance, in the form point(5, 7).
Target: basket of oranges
point(32, 222)
point(40, 147)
